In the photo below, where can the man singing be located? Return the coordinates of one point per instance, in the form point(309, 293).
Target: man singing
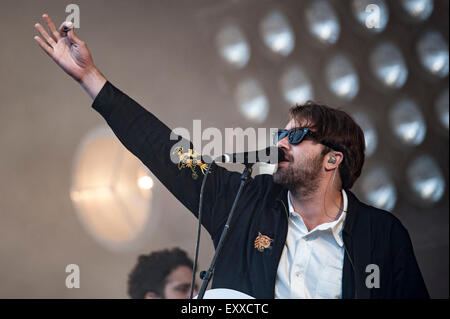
point(300, 233)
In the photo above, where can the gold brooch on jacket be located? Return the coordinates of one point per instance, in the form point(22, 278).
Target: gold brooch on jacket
point(191, 160)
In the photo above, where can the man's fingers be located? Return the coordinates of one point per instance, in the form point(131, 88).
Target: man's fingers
point(44, 46)
point(64, 28)
point(73, 38)
point(54, 33)
point(45, 35)
point(67, 29)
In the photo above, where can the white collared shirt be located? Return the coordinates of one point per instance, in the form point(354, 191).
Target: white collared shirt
point(311, 263)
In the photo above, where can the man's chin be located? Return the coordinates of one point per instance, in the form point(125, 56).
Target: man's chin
point(280, 177)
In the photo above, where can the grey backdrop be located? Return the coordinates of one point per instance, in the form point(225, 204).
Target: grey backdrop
point(152, 50)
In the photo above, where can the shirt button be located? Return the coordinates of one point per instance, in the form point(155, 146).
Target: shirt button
point(298, 274)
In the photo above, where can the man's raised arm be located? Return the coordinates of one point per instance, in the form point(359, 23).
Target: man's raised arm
point(172, 159)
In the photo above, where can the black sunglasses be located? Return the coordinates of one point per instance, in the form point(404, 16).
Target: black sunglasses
point(295, 135)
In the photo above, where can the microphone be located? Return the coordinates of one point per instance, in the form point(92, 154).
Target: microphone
point(270, 155)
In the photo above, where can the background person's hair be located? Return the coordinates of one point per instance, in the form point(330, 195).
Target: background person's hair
point(151, 271)
point(339, 132)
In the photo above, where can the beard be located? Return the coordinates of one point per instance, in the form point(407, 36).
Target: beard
point(300, 177)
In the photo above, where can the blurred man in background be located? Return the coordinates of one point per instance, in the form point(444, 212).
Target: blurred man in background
point(164, 274)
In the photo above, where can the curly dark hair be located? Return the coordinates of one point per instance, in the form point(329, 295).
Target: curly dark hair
point(151, 271)
point(337, 131)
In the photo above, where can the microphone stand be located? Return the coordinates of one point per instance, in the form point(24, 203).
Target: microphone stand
point(206, 275)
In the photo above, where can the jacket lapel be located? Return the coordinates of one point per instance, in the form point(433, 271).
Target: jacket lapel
point(357, 241)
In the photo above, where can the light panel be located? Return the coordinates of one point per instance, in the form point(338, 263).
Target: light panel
point(432, 50)
point(441, 108)
point(296, 86)
point(323, 22)
point(233, 46)
point(370, 133)
point(378, 188)
point(418, 9)
point(342, 78)
point(277, 34)
point(407, 122)
point(252, 101)
point(425, 179)
point(388, 65)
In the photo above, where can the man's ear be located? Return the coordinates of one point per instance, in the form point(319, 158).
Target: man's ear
point(333, 160)
point(152, 295)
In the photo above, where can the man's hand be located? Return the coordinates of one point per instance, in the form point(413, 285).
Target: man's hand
point(71, 54)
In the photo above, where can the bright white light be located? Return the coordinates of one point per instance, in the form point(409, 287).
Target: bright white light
point(379, 189)
point(433, 53)
point(342, 78)
point(418, 9)
point(407, 122)
point(323, 22)
point(388, 65)
point(426, 179)
point(277, 33)
point(296, 86)
point(145, 182)
point(252, 101)
point(233, 47)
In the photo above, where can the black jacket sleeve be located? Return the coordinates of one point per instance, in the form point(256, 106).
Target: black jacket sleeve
point(407, 278)
point(170, 158)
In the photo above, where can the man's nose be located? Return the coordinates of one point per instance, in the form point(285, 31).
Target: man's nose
point(284, 143)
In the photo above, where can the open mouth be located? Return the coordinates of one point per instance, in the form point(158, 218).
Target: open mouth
point(285, 160)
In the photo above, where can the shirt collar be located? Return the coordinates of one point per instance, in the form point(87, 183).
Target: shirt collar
point(335, 226)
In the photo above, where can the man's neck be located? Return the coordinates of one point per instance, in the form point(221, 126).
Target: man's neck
point(318, 207)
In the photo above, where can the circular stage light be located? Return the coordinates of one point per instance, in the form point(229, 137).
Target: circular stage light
point(441, 108)
point(252, 101)
point(418, 9)
point(407, 122)
point(433, 53)
point(233, 46)
point(277, 34)
point(370, 133)
point(372, 14)
point(145, 182)
point(378, 188)
point(388, 65)
point(112, 192)
point(296, 86)
point(342, 78)
point(323, 22)
point(425, 179)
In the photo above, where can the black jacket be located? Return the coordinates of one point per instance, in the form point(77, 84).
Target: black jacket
point(371, 235)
